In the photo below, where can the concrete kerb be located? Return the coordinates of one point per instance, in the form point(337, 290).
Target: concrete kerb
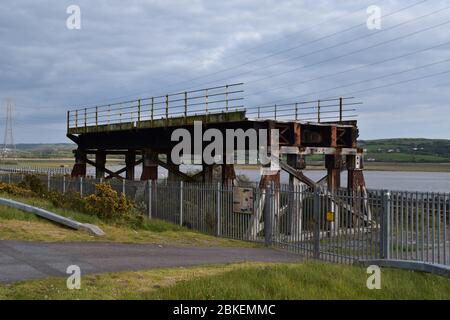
point(91, 229)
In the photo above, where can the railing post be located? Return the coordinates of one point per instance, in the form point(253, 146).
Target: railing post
point(85, 119)
point(68, 121)
point(275, 111)
point(268, 211)
point(226, 98)
point(139, 113)
point(181, 203)
point(185, 105)
point(219, 209)
point(386, 226)
point(206, 101)
point(340, 109)
point(318, 111)
point(167, 108)
point(317, 208)
point(96, 116)
point(152, 111)
point(296, 111)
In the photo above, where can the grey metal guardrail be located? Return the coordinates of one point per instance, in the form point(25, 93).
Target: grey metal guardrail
point(92, 229)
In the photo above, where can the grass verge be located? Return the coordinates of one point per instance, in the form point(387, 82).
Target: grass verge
point(19, 225)
point(311, 280)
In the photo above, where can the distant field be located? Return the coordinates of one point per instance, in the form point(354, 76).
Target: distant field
point(428, 155)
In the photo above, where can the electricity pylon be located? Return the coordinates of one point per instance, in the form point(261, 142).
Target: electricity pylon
point(9, 148)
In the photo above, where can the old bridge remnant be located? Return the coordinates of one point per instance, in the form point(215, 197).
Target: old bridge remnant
point(140, 131)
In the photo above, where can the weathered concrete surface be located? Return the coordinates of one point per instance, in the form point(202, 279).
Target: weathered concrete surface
point(21, 260)
point(92, 229)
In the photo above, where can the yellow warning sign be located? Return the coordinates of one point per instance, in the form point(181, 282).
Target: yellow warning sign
point(330, 216)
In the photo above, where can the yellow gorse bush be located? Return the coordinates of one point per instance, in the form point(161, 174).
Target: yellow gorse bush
point(107, 203)
point(15, 190)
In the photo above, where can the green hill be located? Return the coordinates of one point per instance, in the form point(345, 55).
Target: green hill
point(407, 150)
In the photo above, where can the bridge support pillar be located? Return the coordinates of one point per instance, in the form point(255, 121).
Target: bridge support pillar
point(149, 165)
point(296, 195)
point(333, 164)
point(79, 168)
point(100, 160)
point(355, 180)
point(130, 163)
point(171, 176)
point(228, 175)
point(207, 174)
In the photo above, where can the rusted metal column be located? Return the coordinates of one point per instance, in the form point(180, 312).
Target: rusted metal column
point(333, 164)
point(100, 160)
point(171, 176)
point(228, 175)
point(79, 168)
point(130, 163)
point(355, 166)
point(296, 196)
point(149, 165)
point(207, 174)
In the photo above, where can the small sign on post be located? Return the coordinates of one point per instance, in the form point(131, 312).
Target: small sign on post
point(330, 216)
point(243, 200)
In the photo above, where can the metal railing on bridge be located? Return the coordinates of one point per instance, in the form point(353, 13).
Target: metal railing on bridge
point(157, 111)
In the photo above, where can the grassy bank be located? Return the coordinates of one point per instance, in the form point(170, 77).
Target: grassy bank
point(18, 225)
point(310, 280)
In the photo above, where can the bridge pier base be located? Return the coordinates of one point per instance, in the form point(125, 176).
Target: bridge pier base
point(130, 163)
point(294, 223)
point(228, 175)
point(149, 165)
point(100, 160)
point(79, 168)
point(355, 180)
point(171, 174)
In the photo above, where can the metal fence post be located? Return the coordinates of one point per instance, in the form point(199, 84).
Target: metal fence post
point(123, 187)
point(268, 210)
point(64, 185)
point(48, 182)
point(386, 226)
point(81, 187)
point(316, 207)
point(181, 203)
point(219, 208)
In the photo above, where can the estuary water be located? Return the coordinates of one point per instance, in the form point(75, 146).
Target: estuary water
point(392, 180)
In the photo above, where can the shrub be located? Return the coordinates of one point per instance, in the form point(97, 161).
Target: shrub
point(107, 204)
point(69, 200)
point(15, 190)
point(33, 183)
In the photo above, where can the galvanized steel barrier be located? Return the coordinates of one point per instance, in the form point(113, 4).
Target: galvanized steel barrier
point(338, 226)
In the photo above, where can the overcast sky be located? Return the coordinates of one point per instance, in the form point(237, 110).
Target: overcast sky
point(128, 49)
